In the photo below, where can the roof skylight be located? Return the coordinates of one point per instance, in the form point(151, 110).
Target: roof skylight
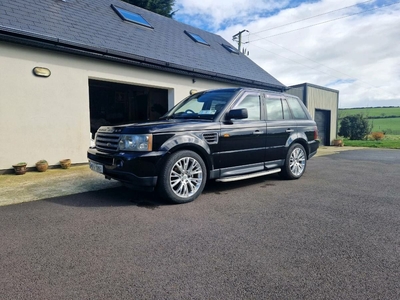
point(130, 16)
point(197, 38)
point(230, 48)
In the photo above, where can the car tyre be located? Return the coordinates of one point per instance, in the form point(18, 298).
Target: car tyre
point(183, 177)
point(295, 162)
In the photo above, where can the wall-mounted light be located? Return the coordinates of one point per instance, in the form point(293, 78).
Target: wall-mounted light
point(41, 72)
point(193, 92)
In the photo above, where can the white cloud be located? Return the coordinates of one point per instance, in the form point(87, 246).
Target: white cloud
point(214, 14)
point(358, 55)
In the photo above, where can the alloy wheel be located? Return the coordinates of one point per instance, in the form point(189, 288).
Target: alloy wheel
point(186, 177)
point(297, 161)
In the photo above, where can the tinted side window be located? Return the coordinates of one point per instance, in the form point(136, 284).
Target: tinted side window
point(274, 109)
point(296, 108)
point(252, 104)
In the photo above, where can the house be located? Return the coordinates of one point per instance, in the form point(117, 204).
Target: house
point(70, 66)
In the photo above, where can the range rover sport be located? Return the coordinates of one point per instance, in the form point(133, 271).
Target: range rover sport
point(223, 134)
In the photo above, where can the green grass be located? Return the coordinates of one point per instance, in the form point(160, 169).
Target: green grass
point(390, 142)
point(370, 112)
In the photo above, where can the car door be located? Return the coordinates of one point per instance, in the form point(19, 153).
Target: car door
point(242, 142)
point(280, 126)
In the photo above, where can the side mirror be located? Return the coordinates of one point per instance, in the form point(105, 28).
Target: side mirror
point(240, 113)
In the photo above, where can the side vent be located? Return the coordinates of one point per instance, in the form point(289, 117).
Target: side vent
point(211, 138)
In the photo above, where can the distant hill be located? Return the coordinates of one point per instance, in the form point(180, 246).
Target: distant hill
point(384, 119)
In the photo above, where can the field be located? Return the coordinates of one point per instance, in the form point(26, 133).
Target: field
point(383, 119)
point(388, 125)
point(370, 112)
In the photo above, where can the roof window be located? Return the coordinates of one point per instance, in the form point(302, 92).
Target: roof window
point(130, 16)
point(197, 38)
point(230, 48)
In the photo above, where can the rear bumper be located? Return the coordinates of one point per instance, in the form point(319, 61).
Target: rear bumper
point(313, 146)
point(135, 169)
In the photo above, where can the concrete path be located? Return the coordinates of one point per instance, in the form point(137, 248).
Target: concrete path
point(52, 183)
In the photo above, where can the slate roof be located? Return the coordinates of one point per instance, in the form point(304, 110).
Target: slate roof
point(92, 27)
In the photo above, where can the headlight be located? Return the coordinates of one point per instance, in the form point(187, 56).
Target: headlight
point(136, 142)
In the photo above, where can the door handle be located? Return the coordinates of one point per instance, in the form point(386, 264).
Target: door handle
point(289, 130)
point(258, 132)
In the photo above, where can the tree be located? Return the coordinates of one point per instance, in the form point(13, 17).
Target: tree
point(355, 127)
point(161, 7)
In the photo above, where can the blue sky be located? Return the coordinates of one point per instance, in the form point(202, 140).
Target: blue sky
point(349, 45)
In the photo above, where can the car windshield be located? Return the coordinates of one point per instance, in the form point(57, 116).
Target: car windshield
point(205, 105)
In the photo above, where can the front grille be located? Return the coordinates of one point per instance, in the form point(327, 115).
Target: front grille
point(107, 141)
point(211, 138)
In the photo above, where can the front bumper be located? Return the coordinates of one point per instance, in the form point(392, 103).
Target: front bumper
point(135, 169)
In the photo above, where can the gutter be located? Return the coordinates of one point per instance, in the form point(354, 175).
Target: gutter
point(66, 46)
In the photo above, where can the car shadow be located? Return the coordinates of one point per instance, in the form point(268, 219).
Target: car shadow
point(123, 196)
point(112, 197)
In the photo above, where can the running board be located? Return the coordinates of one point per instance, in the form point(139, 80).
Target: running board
point(248, 176)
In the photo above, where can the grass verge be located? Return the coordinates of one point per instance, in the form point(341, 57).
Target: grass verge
point(390, 142)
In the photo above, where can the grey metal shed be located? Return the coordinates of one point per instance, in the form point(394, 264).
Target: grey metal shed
point(323, 104)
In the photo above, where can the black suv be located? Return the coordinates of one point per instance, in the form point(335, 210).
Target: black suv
point(224, 134)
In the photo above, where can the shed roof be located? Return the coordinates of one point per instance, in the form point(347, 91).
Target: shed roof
point(306, 84)
point(93, 28)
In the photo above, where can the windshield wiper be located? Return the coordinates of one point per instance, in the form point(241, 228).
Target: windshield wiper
point(182, 115)
point(187, 116)
point(166, 117)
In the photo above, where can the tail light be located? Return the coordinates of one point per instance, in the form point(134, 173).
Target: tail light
point(315, 133)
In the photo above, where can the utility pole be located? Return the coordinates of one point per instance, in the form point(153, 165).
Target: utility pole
point(238, 37)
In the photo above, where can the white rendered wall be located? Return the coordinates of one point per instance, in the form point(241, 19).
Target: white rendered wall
point(48, 118)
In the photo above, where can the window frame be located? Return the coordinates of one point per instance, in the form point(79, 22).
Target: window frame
point(196, 38)
point(230, 49)
point(119, 11)
point(283, 100)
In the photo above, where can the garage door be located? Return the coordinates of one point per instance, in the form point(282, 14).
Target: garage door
point(323, 120)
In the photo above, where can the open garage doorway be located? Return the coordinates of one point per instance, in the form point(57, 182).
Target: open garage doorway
point(323, 120)
point(115, 103)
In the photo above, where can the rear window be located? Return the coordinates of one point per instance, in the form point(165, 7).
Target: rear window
point(296, 108)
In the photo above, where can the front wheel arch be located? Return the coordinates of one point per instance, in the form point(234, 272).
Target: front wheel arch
point(205, 156)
